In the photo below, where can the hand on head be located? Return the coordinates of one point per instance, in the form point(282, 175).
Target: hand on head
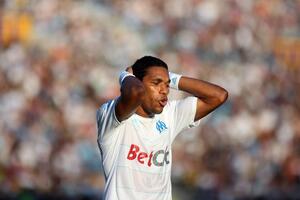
point(129, 69)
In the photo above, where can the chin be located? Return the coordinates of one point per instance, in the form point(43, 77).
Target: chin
point(158, 111)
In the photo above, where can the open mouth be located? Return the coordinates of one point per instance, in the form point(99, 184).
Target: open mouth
point(163, 102)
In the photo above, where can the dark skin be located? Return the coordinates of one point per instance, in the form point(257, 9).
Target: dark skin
point(149, 96)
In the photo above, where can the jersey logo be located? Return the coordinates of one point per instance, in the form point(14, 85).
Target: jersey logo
point(161, 126)
point(158, 158)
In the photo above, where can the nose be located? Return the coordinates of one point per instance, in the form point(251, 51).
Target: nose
point(164, 89)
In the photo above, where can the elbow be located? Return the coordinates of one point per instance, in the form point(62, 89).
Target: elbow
point(218, 98)
point(222, 96)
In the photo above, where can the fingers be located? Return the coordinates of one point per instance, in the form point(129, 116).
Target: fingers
point(129, 69)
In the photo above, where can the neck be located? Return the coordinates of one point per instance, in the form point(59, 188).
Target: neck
point(142, 112)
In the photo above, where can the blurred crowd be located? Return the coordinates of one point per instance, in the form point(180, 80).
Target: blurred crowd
point(60, 60)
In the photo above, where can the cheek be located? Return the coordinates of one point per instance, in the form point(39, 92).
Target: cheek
point(154, 99)
point(151, 97)
point(153, 93)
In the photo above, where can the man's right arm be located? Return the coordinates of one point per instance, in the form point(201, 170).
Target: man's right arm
point(132, 94)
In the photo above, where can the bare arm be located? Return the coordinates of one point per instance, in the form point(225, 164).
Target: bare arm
point(210, 96)
point(132, 94)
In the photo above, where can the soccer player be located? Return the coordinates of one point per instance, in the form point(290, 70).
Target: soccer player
point(136, 129)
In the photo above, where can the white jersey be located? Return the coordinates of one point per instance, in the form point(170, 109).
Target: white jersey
point(136, 153)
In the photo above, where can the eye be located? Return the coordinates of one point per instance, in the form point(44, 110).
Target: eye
point(156, 82)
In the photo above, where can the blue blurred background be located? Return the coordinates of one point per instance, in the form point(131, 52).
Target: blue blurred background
point(60, 60)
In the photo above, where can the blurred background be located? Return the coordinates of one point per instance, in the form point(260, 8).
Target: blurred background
point(60, 60)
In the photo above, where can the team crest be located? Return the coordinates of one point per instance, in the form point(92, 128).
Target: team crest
point(161, 126)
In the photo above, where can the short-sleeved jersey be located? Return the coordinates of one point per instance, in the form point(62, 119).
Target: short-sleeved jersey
point(136, 153)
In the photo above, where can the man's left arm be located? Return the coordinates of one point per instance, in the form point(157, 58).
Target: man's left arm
point(210, 96)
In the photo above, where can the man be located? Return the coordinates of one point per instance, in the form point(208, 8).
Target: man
point(136, 130)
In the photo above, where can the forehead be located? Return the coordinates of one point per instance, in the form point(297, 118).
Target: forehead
point(157, 72)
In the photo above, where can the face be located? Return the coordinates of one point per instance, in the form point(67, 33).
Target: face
point(156, 82)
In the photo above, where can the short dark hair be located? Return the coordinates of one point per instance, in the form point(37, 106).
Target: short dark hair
point(141, 65)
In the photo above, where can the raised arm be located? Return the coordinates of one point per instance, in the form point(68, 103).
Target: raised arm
point(210, 96)
point(132, 94)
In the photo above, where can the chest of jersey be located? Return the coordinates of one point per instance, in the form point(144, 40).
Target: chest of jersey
point(146, 144)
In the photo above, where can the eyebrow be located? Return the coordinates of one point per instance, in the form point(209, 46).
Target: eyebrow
point(161, 80)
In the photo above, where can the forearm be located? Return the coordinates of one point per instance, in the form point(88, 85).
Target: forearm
point(132, 94)
point(205, 91)
point(132, 90)
point(210, 96)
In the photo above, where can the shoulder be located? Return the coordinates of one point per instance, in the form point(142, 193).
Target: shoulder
point(107, 104)
point(106, 108)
